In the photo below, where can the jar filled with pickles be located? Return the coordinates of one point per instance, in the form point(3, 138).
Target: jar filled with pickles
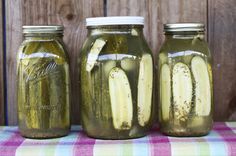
point(116, 79)
point(185, 81)
point(43, 83)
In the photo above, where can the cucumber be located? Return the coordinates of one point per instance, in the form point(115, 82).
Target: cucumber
point(121, 99)
point(93, 54)
point(165, 91)
point(145, 89)
point(202, 86)
point(182, 91)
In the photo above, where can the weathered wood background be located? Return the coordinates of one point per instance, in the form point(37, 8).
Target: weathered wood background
point(218, 15)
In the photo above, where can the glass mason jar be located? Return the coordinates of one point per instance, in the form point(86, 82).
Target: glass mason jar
point(43, 83)
point(185, 81)
point(116, 79)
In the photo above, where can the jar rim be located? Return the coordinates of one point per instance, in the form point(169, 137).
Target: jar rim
point(115, 20)
point(177, 27)
point(28, 29)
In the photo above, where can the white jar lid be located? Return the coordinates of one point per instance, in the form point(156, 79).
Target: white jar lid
point(115, 20)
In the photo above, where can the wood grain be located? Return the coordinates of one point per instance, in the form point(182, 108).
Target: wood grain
point(1, 69)
point(222, 41)
point(71, 14)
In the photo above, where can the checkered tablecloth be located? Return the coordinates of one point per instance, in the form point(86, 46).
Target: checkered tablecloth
point(221, 141)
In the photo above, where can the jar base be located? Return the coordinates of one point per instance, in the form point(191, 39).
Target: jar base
point(44, 134)
point(116, 137)
point(184, 133)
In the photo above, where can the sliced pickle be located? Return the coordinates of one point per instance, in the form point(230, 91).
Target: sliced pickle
point(106, 109)
point(43, 103)
point(145, 89)
point(93, 54)
point(165, 91)
point(128, 64)
point(121, 99)
point(102, 111)
point(202, 86)
point(59, 101)
point(182, 91)
point(163, 58)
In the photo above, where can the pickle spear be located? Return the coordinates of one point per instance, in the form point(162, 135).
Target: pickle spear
point(165, 91)
point(182, 91)
point(202, 88)
point(145, 89)
point(43, 103)
point(104, 91)
point(26, 102)
point(93, 54)
point(33, 89)
point(121, 99)
point(41, 84)
point(33, 113)
point(59, 101)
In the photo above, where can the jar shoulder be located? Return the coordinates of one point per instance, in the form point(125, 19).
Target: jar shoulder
point(43, 48)
point(116, 44)
point(172, 46)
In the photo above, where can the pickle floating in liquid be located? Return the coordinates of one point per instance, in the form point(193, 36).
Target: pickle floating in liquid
point(59, 113)
point(202, 86)
point(93, 54)
point(121, 99)
point(145, 89)
point(165, 91)
point(182, 91)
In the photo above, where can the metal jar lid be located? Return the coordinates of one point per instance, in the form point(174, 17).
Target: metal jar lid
point(42, 29)
point(177, 27)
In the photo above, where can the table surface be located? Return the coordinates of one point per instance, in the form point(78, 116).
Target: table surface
point(220, 141)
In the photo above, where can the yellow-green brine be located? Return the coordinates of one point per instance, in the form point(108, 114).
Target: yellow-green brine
point(43, 83)
point(185, 81)
point(116, 79)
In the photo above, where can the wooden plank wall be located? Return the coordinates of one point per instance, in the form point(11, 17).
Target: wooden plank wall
point(222, 41)
point(1, 68)
point(158, 12)
point(218, 15)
